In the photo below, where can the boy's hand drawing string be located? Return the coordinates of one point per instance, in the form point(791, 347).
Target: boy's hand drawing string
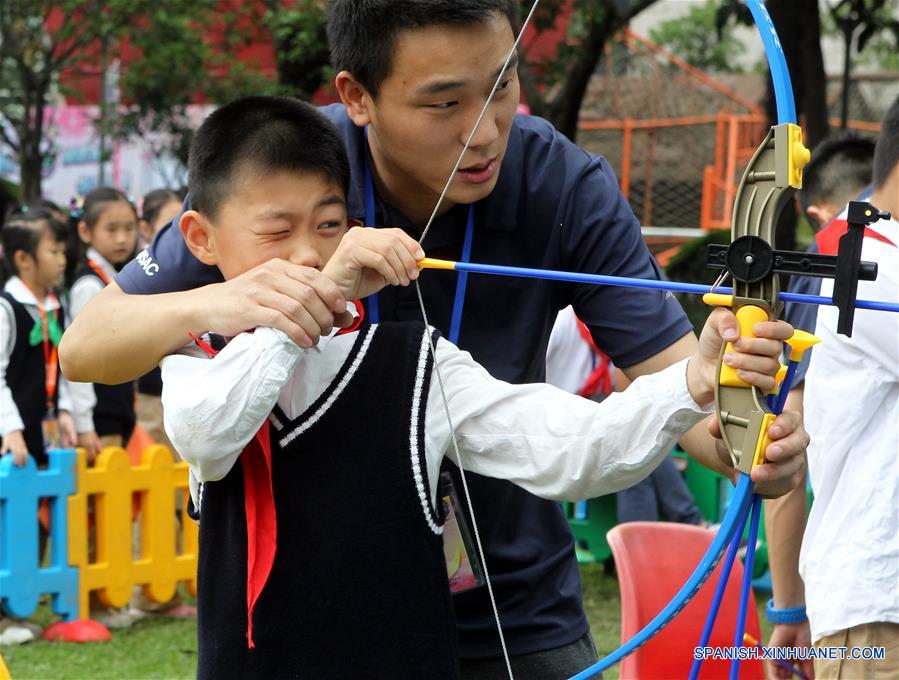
point(743, 412)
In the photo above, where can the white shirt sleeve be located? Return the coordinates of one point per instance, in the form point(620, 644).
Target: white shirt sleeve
point(214, 406)
point(83, 291)
point(64, 396)
point(551, 443)
point(10, 419)
point(83, 397)
point(83, 400)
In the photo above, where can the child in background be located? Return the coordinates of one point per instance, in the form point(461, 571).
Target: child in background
point(158, 209)
point(108, 226)
point(32, 392)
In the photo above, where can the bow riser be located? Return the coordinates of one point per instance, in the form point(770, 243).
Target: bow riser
point(770, 180)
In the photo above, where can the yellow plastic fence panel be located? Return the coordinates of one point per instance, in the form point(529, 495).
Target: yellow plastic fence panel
point(115, 571)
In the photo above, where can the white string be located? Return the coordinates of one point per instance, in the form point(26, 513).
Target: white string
point(424, 315)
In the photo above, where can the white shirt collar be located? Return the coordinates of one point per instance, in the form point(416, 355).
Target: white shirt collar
point(102, 262)
point(20, 293)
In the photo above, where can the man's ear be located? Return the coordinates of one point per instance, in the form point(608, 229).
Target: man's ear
point(355, 98)
point(197, 233)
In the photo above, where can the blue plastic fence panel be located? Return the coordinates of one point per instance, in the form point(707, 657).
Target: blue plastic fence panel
point(22, 580)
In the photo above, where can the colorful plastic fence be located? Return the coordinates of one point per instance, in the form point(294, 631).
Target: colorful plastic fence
point(168, 549)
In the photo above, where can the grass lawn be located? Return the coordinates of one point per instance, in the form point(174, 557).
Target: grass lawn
point(167, 648)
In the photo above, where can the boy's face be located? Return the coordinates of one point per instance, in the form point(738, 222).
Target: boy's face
point(427, 106)
point(294, 216)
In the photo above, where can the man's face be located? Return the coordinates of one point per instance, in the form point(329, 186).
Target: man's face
point(294, 216)
point(426, 108)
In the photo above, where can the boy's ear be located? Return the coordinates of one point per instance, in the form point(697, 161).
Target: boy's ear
point(814, 212)
point(84, 232)
point(355, 98)
point(197, 233)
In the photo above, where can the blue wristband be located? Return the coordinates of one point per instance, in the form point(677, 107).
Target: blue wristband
point(793, 615)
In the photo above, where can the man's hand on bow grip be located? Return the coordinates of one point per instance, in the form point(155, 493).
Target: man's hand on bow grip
point(756, 360)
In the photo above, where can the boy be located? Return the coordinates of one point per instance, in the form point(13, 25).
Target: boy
point(334, 501)
point(849, 560)
point(414, 75)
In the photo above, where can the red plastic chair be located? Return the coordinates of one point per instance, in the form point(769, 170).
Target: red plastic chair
point(653, 560)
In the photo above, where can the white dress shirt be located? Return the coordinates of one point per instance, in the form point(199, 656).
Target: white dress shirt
point(553, 444)
point(83, 291)
point(850, 551)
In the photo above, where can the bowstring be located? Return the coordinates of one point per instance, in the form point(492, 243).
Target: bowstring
point(433, 350)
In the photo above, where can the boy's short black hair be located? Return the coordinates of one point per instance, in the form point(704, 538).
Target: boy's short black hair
point(267, 134)
point(839, 169)
point(886, 157)
point(362, 33)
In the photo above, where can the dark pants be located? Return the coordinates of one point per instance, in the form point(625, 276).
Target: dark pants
point(552, 664)
point(662, 495)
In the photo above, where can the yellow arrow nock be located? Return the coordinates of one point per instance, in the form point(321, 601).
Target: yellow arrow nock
point(431, 263)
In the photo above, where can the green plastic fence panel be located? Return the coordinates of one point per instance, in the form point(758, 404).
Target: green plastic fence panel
point(590, 525)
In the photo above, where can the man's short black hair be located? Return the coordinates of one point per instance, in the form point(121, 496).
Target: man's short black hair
point(886, 157)
point(362, 33)
point(266, 134)
point(840, 168)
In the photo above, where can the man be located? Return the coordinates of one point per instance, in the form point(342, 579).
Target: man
point(413, 77)
point(849, 560)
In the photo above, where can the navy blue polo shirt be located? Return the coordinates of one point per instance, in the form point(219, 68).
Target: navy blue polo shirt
point(555, 206)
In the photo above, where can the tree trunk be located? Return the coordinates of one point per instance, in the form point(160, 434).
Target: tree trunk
point(847, 75)
point(565, 108)
point(799, 28)
point(30, 134)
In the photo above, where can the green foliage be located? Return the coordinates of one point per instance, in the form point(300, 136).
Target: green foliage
point(301, 46)
point(187, 52)
point(698, 39)
point(31, 58)
point(555, 86)
point(875, 25)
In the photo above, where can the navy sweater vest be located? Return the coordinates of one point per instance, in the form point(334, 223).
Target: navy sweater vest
point(26, 376)
point(358, 588)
